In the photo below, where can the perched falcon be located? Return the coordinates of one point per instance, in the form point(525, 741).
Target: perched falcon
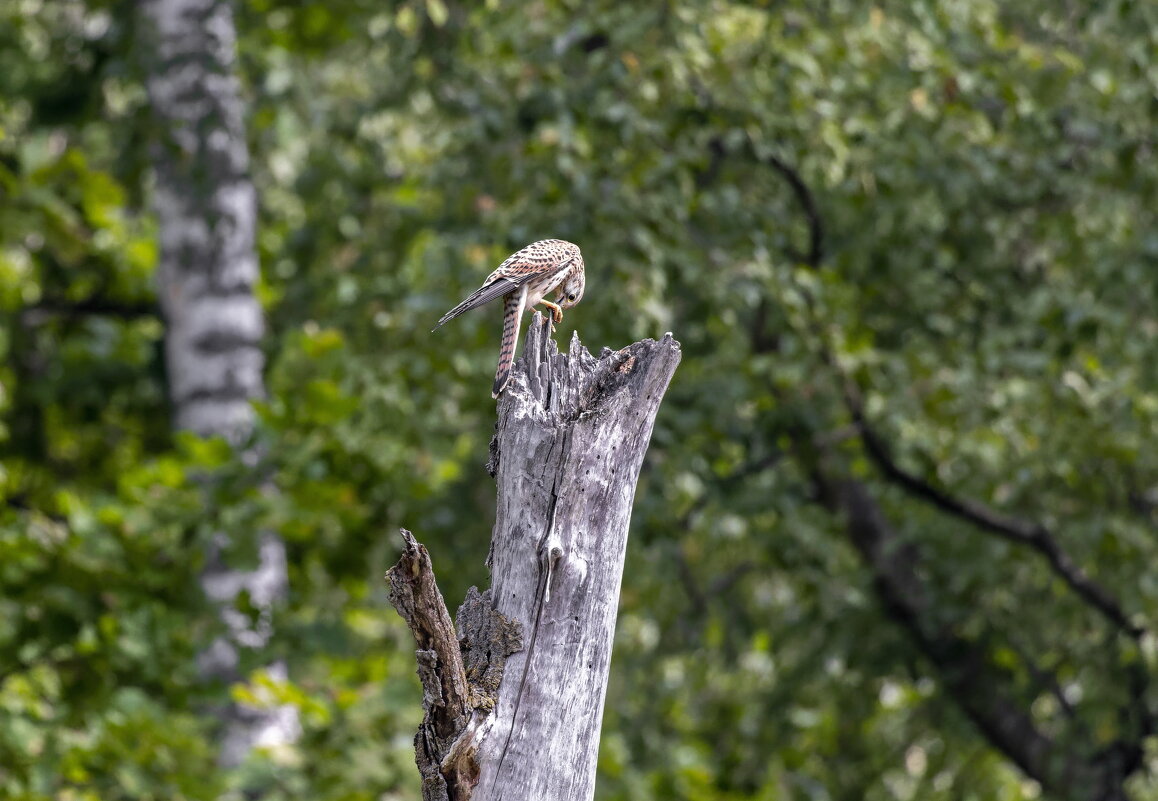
point(524, 280)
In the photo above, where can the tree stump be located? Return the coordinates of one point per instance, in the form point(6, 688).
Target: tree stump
point(514, 698)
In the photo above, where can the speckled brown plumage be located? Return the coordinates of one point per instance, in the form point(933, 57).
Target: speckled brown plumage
point(524, 280)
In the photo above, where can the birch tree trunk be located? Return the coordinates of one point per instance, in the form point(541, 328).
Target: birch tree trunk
point(206, 209)
point(514, 705)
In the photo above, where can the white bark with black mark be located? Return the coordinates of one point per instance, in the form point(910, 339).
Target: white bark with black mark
point(207, 214)
point(206, 207)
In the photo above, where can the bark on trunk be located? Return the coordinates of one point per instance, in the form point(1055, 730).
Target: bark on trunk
point(206, 209)
point(570, 442)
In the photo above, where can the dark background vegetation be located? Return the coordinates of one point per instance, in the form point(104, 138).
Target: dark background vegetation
point(896, 534)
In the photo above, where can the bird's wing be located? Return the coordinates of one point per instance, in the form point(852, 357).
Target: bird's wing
point(530, 267)
point(512, 319)
point(510, 275)
point(496, 287)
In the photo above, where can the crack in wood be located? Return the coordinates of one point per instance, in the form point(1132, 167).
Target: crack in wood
point(542, 592)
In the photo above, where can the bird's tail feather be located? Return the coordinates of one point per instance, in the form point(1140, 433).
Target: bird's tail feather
point(512, 319)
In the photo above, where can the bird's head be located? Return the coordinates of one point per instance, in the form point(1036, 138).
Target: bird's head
point(571, 292)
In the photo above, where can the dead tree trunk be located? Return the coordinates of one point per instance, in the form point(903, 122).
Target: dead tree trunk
point(570, 441)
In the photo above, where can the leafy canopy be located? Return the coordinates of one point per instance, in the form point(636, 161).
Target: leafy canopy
point(949, 205)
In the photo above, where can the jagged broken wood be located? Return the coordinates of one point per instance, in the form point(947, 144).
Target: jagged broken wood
point(460, 673)
point(514, 697)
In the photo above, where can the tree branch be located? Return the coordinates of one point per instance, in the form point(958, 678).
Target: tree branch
point(804, 197)
point(460, 680)
point(717, 152)
point(1035, 535)
point(1046, 679)
point(896, 568)
point(414, 593)
point(977, 686)
point(37, 313)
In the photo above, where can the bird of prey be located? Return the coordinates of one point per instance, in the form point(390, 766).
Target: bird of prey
point(524, 280)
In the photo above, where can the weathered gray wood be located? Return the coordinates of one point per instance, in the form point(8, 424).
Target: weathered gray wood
point(570, 441)
point(572, 434)
point(414, 593)
point(206, 277)
point(460, 671)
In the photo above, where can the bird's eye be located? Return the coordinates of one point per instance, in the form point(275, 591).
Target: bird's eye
point(571, 297)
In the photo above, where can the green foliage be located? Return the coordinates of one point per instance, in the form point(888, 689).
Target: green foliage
point(984, 176)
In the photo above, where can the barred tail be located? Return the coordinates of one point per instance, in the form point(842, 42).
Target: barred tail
point(512, 319)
